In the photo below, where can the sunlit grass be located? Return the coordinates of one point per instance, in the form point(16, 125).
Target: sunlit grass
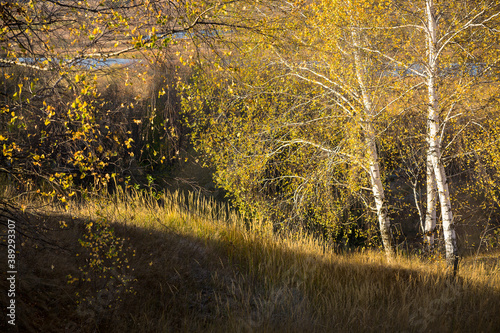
point(200, 267)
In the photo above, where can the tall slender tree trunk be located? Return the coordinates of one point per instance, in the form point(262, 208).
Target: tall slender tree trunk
point(434, 153)
point(378, 195)
point(430, 215)
point(371, 146)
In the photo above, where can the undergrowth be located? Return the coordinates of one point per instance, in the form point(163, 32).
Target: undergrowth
point(146, 262)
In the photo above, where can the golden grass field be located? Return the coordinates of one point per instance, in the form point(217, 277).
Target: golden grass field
point(186, 264)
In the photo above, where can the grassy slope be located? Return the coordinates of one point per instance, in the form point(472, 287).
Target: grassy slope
point(199, 269)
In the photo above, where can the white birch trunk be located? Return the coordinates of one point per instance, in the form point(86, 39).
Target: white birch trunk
point(430, 215)
point(379, 196)
point(434, 152)
point(370, 139)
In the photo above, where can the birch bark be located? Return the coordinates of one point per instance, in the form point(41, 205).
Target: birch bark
point(373, 156)
point(430, 215)
point(434, 152)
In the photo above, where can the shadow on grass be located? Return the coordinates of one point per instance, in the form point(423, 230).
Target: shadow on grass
point(184, 283)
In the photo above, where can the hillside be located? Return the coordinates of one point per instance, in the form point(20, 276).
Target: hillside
point(178, 263)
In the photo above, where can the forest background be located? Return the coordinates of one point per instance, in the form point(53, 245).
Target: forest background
point(350, 125)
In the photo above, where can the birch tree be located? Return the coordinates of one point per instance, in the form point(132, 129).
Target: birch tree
point(434, 152)
point(455, 37)
point(357, 65)
point(323, 52)
point(441, 40)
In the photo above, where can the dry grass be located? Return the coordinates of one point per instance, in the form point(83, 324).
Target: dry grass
point(199, 268)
